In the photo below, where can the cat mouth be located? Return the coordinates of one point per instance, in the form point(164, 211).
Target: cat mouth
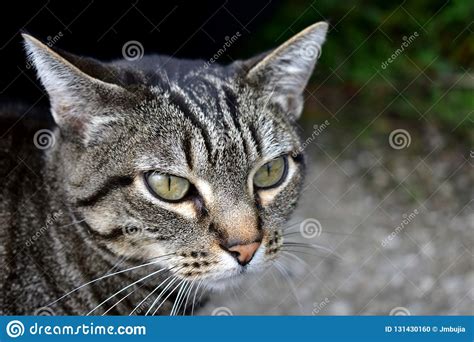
point(237, 273)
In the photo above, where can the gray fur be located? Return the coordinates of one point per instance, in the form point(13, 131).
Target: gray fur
point(71, 212)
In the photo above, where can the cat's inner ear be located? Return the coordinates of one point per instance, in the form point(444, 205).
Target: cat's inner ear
point(76, 96)
point(283, 73)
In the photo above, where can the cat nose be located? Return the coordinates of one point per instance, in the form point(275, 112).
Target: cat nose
point(243, 253)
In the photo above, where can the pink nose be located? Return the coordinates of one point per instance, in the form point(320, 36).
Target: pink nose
point(244, 253)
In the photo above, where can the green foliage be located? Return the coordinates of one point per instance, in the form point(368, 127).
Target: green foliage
point(431, 77)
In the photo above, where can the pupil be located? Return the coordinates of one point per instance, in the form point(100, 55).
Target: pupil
point(268, 169)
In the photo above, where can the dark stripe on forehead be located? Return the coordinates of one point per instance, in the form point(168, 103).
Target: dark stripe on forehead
point(180, 102)
point(231, 101)
point(188, 152)
point(256, 139)
point(109, 185)
point(212, 90)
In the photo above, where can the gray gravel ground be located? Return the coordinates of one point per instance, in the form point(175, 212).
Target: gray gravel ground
point(361, 194)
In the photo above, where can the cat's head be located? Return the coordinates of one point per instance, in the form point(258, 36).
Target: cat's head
point(195, 166)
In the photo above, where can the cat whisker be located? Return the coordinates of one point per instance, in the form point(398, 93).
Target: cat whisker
point(121, 299)
point(280, 267)
point(108, 276)
point(187, 288)
point(194, 282)
point(128, 294)
point(127, 287)
point(202, 293)
point(186, 297)
point(151, 293)
point(325, 232)
point(195, 294)
point(287, 231)
point(297, 258)
point(164, 300)
point(175, 278)
point(326, 256)
point(313, 246)
point(178, 297)
point(292, 225)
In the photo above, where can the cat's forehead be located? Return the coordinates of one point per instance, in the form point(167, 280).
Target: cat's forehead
point(211, 126)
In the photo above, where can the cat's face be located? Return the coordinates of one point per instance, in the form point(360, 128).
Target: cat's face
point(195, 168)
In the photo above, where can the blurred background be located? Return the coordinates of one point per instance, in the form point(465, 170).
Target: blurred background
point(388, 130)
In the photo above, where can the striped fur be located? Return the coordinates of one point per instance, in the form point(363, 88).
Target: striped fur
point(115, 121)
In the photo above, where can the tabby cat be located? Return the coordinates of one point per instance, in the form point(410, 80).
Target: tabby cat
point(148, 181)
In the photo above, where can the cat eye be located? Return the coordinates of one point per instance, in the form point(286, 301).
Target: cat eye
point(271, 174)
point(167, 187)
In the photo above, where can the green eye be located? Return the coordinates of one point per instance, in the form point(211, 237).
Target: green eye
point(167, 187)
point(271, 174)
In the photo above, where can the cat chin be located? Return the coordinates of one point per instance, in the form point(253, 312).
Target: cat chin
point(239, 274)
point(223, 284)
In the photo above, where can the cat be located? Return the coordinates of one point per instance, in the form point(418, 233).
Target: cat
point(148, 181)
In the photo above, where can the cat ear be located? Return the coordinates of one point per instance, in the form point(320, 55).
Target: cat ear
point(75, 95)
point(284, 72)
